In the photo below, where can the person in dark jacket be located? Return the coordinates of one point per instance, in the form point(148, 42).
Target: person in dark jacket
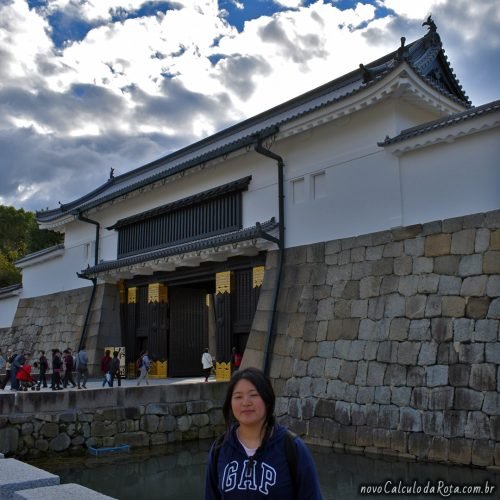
point(114, 369)
point(251, 461)
point(44, 366)
point(57, 365)
point(68, 368)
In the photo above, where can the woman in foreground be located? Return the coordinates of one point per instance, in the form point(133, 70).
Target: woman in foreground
point(257, 458)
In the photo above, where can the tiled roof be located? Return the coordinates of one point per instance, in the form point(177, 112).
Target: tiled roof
point(442, 123)
point(40, 253)
point(202, 244)
point(425, 56)
point(9, 290)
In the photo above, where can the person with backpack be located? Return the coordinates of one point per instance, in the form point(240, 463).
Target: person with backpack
point(256, 457)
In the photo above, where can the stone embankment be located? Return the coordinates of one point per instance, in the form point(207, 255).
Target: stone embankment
point(40, 423)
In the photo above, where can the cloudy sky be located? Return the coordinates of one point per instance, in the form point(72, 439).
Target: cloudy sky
point(86, 85)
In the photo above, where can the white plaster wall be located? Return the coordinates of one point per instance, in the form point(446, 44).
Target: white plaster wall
point(8, 308)
point(451, 179)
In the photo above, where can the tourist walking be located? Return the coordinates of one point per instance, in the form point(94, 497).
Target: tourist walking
point(144, 365)
point(105, 364)
point(257, 458)
point(82, 371)
point(114, 369)
point(208, 363)
point(68, 368)
point(235, 360)
point(8, 362)
point(57, 367)
point(43, 365)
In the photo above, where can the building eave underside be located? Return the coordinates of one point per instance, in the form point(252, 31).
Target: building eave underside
point(245, 242)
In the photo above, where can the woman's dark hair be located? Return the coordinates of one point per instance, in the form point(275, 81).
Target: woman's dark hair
point(264, 388)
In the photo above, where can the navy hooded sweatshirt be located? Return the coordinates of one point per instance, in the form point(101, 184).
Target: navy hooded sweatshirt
point(265, 475)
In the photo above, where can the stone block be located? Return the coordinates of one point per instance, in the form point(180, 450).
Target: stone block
point(449, 285)
point(474, 286)
point(493, 286)
point(395, 375)
point(460, 451)
point(477, 307)
point(9, 439)
point(332, 368)
point(439, 449)
point(382, 395)
point(478, 426)
point(491, 262)
point(419, 329)
point(491, 404)
point(348, 371)
point(482, 452)
point(428, 283)
point(462, 329)
point(374, 330)
point(390, 284)
point(410, 419)
point(454, 423)
point(471, 353)
point(395, 306)
point(415, 376)
point(470, 265)
point(468, 399)
point(432, 423)
point(483, 377)
point(495, 428)
point(482, 241)
point(419, 445)
point(453, 306)
point(381, 438)
point(399, 329)
point(437, 244)
point(441, 398)
point(388, 352)
point(371, 349)
point(447, 265)
point(389, 416)
point(492, 352)
point(16, 475)
point(408, 353)
point(375, 375)
point(414, 246)
point(399, 441)
point(441, 329)
point(494, 309)
point(364, 436)
point(433, 306)
point(400, 396)
point(361, 374)
point(437, 375)
point(365, 395)
point(459, 375)
point(343, 413)
point(463, 242)
point(415, 306)
point(428, 354)
point(422, 265)
point(403, 265)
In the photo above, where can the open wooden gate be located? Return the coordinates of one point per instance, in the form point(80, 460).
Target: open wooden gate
point(188, 331)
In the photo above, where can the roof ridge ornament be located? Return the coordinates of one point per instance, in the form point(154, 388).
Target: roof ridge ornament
point(431, 24)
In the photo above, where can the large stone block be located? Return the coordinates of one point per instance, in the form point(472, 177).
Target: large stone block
point(427, 354)
point(420, 397)
point(491, 262)
point(453, 306)
point(454, 423)
point(389, 416)
point(447, 265)
point(441, 329)
point(474, 286)
point(415, 306)
point(400, 396)
point(376, 371)
point(463, 242)
point(482, 452)
point(478, 426)
point(408, 353)
point(470, 265)
point(459, 374)
point(449, 285)
point(468, 399)
point(439, 449)
point(419, 445)
point(395, 375)
point(433, 422)
point(477, 307)
point(437, 244)
point(410, 420)
point(9, 439)
point(441, 398)
point(437, 375)
point(460, 451)
point(491, 404)
point(483, 377)
point(471, 353)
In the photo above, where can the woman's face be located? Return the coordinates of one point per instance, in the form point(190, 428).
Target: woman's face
point(247, 406)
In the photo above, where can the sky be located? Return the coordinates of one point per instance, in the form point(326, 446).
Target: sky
point(90, 85)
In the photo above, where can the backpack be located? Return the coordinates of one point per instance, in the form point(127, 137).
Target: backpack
point(290, 453)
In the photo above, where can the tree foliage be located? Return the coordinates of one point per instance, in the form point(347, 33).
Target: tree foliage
point(20, 236)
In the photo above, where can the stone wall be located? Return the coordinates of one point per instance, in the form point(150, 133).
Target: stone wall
point(389, 342)
point(37, 424)
point(56, 321)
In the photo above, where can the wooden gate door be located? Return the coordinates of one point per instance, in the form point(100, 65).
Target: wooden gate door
point(188, 331)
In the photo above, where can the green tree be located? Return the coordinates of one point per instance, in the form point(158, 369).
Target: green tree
point(19, 236)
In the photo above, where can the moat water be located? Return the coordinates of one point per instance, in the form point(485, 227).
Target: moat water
point(177, 472)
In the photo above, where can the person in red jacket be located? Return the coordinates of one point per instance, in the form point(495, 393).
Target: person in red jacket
point(105, 365)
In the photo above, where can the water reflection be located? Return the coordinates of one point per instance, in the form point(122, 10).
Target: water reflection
point(177, 472)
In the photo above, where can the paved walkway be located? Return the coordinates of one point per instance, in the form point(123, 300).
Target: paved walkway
point(95, 383)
